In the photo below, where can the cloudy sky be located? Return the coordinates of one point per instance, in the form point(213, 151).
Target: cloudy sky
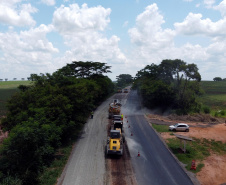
point(41, 36)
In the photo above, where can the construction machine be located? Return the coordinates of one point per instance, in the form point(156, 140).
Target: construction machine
point(115, 142)
point(114, 109)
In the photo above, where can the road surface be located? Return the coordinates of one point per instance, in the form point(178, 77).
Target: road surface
point(88, 164)
point(155, 165)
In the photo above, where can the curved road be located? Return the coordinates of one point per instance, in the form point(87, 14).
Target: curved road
point(156, 165)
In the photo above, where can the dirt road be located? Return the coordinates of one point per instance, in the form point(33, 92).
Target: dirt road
point(88, 164)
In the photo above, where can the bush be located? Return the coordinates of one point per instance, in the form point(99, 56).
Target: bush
point(206, 109)
point(219, 113)
point(222, 112)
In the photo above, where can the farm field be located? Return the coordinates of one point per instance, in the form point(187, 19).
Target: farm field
point(7, 89)
point(215, 94)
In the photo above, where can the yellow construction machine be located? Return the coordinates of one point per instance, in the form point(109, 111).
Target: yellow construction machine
point(115, 142)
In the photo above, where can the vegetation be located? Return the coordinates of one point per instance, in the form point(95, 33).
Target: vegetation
point(7, 89)
point(161, 128)
point(46, 115)
point(172, 84)
point(197, 149)
point(214, 97)
point(124, 80)
point(217, 79)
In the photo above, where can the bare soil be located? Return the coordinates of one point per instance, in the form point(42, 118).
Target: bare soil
point(201, 126)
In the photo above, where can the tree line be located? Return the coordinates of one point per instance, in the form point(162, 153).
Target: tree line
point(217, 79)
point(44, 116)
point(173, 84)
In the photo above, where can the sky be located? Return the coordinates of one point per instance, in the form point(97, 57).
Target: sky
point(41, 36)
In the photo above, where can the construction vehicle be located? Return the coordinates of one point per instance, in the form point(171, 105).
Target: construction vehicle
point(115, 142)
point(114, 109)
point(117, 102)
point(117, 124)
point(126, 90)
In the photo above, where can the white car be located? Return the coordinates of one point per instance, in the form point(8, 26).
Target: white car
point(179, 127)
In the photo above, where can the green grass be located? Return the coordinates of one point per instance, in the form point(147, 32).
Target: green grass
point(197, 150)
point(13, 84)
point(161, 128)
point(215, 95)
point(211, 87)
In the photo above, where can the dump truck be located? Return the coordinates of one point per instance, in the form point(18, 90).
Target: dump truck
point(115, 142)
point(114, 109)
point(126, 90)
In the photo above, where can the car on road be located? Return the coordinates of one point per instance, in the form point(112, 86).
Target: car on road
point(179, 127)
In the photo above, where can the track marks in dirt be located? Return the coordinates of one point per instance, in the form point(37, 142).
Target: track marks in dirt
point(120, 169)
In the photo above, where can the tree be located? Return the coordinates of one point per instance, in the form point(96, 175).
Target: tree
point(84, 69)
point(176, 82)
point(217, 79)
point(124, 79)
point(48, 113)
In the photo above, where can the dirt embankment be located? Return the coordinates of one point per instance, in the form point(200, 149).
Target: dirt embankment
point(201, 126)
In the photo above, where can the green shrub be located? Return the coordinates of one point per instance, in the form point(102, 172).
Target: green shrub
point(206, 109)
point(222, 112)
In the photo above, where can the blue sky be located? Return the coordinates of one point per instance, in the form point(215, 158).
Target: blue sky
point(41, 36)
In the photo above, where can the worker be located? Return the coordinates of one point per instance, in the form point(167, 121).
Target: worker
point(121, 116)
point(92, 115)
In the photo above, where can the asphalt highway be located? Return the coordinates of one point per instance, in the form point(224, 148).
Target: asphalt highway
point(152, 161)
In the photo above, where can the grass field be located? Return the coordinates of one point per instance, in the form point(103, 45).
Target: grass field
point(7, 89)
point(215, 94)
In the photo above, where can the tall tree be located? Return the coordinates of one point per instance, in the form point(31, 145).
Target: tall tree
point(124, 79)
point(87, 69)
point(179, 80)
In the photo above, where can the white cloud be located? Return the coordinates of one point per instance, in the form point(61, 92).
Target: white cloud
point(195, 25)
point(68, 20)
point(209, 3)
point(16, 15)
point(81, 29)
point(152, 43)
point(27, 52)
point(148, 29)
point(125, 24)
point(49, 2)
point(222, 8)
